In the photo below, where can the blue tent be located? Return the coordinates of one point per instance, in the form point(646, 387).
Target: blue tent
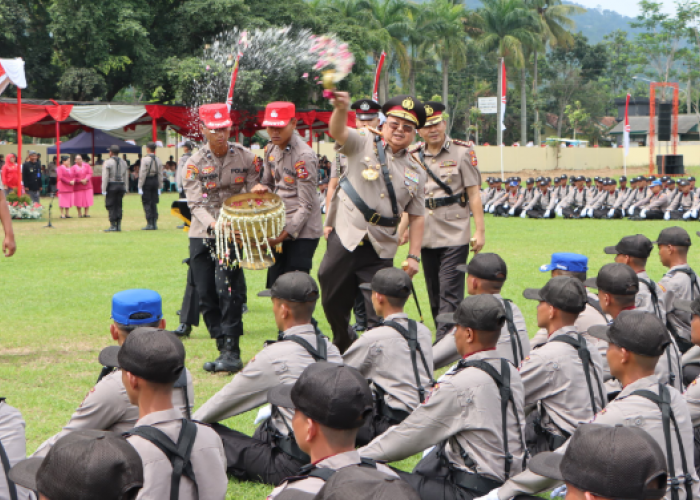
point(83, 144)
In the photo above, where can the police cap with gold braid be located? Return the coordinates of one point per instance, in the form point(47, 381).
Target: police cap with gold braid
point(366, 109)
point(433, 112)
point(407, 108)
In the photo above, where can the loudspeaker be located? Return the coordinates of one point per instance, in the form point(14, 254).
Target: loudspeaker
point(665, 115)
point(671, 164)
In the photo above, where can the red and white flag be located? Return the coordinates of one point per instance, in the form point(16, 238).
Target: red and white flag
point(377, 74)
point(503, 95)
point(12, 71)
point(626, 132)
point(232, 86)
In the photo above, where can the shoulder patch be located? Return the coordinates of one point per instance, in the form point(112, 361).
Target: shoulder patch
point(466, 144)
point(663, 289)
point(300, 168)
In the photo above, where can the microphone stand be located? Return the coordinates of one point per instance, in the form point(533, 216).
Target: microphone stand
point(50, 205)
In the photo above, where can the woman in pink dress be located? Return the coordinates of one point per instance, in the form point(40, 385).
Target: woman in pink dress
point(65, 183)
point(89, 192)
point(80, 198)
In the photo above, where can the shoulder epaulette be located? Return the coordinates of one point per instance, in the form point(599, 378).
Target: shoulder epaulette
point(466, 144)
point(416, 148)
point(374, 130)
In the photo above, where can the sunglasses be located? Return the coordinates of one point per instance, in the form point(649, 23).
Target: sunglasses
point(409, 129)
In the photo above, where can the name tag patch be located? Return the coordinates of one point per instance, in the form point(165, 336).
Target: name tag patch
point(208, 170)
point(448, 163)
point(288, 179)
point(210, 185)
point(411, 176)
point(239, 180)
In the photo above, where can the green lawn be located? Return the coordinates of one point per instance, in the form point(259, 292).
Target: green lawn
point(55, 299)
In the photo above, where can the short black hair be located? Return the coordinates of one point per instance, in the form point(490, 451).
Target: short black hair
point(302, 311)
point(130, 328)
point(623, 300)
point(396, 302)
point(579, 276)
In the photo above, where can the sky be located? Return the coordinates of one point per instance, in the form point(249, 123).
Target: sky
point(628, 8)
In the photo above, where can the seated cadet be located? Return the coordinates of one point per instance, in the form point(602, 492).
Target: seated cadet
point(602, 205)
point(330, 403)
point(654, 205)
point(396, 357)
point(486, 191)
point(595, 194)
point(681, 205)
point(107, 407)
point(636, 340)
point(470, 454)
point(501, 206)
point(617, 286)
point(152, 361)
point(83, 465)
point(271, 454)
point(571, 206)
point(607, 463)
point(13, 449)
point(680, 282)
point(640, 191)
point(537, 206)
point(619, 208)
point(486, 274)
point(557, 396)
point(496, 195)
point(526, 196)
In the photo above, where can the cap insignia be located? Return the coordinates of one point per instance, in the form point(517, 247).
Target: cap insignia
point(273, 114)
point(218, 115)
point(364, 106)
point(429, 110)
point(407, 103)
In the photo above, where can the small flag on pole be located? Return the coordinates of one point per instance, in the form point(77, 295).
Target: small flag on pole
point(503, 95)
point(377, 74)
point(12, 71)
point(234, 75)
point(626, 133)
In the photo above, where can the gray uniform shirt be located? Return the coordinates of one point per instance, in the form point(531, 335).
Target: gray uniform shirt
point(658, 201)
point(208, 461)
point(539, 201)
point(12, 437)
point(635, 196)
point(682, 201)
point(151, 166)
point(632, 411)
point(676, 284)
point(575, 198)
point(526, 196)
point(180, 170)
point(382, 355)
point(114, 170)
point(464, 409)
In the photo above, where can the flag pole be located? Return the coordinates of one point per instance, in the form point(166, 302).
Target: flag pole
point(19, 139)
point(499, 107)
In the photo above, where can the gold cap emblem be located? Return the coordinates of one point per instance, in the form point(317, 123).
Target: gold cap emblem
point(429, 111)
point(407, 103)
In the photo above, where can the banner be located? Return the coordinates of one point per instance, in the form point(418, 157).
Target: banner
point(503, 94)
point(12, 71)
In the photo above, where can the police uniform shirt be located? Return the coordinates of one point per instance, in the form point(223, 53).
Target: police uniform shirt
point(292, 174)
point(277, 363)
point(457, 167)
point(445, 352)
point(464, 409)
point(107, 408)
point(209, 181)
point(682, 201)
point(553, 377)
point(180, 171)
point(692, 399)
point(539, 201)
point(606, 199)
point(407, 176)
point(635, 196)
point(631, 411)
point(382, 355)
point(526, 196)
point(575, 198)
point(114, 170)
point(509, 199)
point(496, 196)
point(677, 286)
point(151, 166)
point(658, 201)
point(207, 458)
point(12, 437)
point(643, 300)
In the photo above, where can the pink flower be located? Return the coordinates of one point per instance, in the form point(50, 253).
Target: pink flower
point(208, 68)
point(305, 75)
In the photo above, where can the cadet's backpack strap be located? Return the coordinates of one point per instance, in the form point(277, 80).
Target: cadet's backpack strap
point(515, 341)
point(178, 454)
point(411, 336)
point(595, 304)
point(381, 154)
point(693, 280)
point(286, 443)
point(663, 401)
point(585, 356)
point(6, 466)
point(181, 383)
point(318, 355)
point(106, 370)
point(325, 473)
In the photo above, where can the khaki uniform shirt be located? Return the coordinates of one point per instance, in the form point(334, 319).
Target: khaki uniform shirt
point(277, 363)
point(342, 161)
point(12, 437)
point(313, 485)
point(209, 181)
point(208, 461)
point(508, 199)
point(554, 382)
point(292, 174)
point(540, 201)
point(465, 410)
point(486, 195)
point(151, 166)
point(636, 196)
point(114, 170)
point(456, 166)
point(561, 192)
point(677, 286)
point(643, 300)
point(692, 398)
point(180, 170)
point(526, 196)
point(495, 196)
point(682, 201)
point(445, 351)
point(382, 356)
point(575, 198)
point(107, 408)
point(657, 201)
point(630, 411)
point(605, 201)
point(622, 195)
point(408, 178)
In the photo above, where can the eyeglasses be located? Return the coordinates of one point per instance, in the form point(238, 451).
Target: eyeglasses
point(409, 129)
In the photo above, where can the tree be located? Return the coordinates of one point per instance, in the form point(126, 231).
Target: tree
point(576, 115)
point(622, 57)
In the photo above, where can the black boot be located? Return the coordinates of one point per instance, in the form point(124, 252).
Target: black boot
point(112, 227)
point(210, 366)
point(155, 223)
point(230, 358)
point(149, 225)
point(119, 225)
point(183, 330)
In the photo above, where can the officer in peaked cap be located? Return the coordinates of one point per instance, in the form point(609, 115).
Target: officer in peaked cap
point(452, 196)
point(384, 181)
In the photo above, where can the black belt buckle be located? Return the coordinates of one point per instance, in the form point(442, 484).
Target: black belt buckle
point(374, 219)
point(431, 203)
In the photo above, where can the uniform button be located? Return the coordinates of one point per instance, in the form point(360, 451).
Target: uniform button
point(391, 176)
point(458, 216)
point(433, 160)
point(381, 195)
point(430, 194)
point(638, 422)
point(431, 212)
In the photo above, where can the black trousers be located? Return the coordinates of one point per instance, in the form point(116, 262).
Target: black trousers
point(296, 255)
point(150, 197)
point(53, 185)
point(678, 214)
point(538, 213)
point(256, 458)
point(375, 425)
point(340, 275)
point(602, 213)
point(571, 213)
point(444, 283)
point(220, 300)
point(113, 200)
point(654, 214)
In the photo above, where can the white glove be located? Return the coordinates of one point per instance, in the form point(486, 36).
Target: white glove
point(263, 414)
point(558, 492)
point(492, 210)
point(585, 212)
point(492, 495)
point(141, 192)
point(560, 212)
point(611, 213)
point(667, 216)
point(487, 207)
point(179, 189)
point(630, 211)
point(643, 214)
point(687, 214)
point(695, 214)
point(523, 214)
point(511, 211)
point(506, 206)
point(159, 192)
point(546, 214)
point(104, 193)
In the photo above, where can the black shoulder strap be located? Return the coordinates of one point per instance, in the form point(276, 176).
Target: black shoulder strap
point(320, 354)
point(6, 466)
point(585, 356)
point(432, 175)
point(181, 383)
point(381, 154)
point(502, 381)
point(693, 280)
point(178, 454)
point(411, 336)
point(515, 342)
point(325, 473)
point(663, 401)
point(654, 297)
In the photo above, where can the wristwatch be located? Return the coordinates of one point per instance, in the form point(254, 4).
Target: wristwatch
point(414, 257)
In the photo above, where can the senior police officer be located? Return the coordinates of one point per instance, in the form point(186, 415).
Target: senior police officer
point(150, 184)
point(291, 172)
point(214, 173)
point(383, 181)
point(115, 173)
point(452, 195)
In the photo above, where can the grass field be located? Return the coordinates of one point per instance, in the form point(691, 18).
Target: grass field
point(55, 297)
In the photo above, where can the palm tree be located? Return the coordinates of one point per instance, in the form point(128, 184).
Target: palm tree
point(416, 41)
point(509, 29)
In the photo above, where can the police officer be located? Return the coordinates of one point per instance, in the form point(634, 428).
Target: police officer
point(526, 196)
point(682, 203)
point(497, 192)
point(291, 171)
point(13, 449)
point(571, 206)
point(452, 196)
point(537, 206)
point(473, 420)
point(214, 173)
point(502, 206)
point(330, 403)
point(150, 183)
point(692, 393)
point(181, 167)
point(106, 406)
point(31, 176)
point(115, 173)
point(152, 360)
point(271, 454)
point(603, 203)
point(383, 181)
point(395, 357)
point(637, 195)
point(654, 205)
